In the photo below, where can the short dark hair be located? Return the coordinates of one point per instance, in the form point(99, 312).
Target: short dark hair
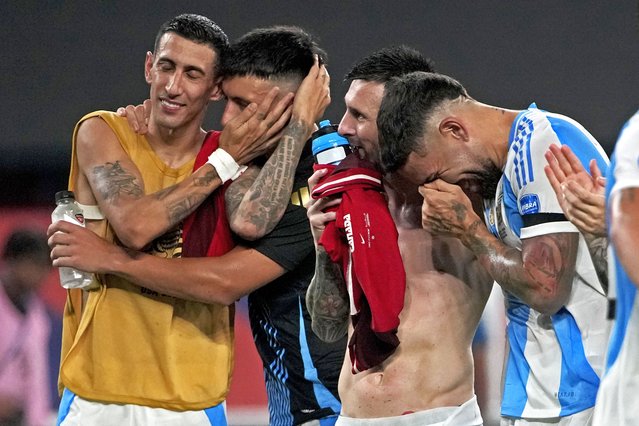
point(389, 62)
point(23, 244)
point(278, 52)
point(198, 29)
point(406, 107)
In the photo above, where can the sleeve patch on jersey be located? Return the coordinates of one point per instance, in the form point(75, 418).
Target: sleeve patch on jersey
point(529, 204)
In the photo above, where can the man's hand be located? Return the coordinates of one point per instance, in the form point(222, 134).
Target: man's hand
point(446, 209)
point(581, 195)
point(321, 211)
point(258, 128)
point(137, 116)
point(313, 95)
point(77, 247)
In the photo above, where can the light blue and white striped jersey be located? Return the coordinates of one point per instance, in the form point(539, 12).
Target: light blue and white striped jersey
point(554, 362)
point(617, 398)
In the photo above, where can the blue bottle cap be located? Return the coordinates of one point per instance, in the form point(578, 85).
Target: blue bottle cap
point(326, 137)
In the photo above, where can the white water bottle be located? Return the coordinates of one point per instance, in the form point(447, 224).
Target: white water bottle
point(68, 209)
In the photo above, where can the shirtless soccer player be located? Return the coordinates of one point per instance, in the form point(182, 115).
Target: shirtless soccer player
point(429, 378)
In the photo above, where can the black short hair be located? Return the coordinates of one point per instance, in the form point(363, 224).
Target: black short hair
point(406, 107)
point(26, 244)
point(198, 29)
point(278, 52)
point(389, 62)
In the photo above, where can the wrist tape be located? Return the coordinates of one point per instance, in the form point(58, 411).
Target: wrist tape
point(225, 165)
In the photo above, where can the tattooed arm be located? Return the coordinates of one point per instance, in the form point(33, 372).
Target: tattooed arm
point(257, 201)
point(540, 274)
point(110, 179)
point(327, 300)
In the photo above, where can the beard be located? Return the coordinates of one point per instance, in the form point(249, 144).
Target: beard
point(489, 178)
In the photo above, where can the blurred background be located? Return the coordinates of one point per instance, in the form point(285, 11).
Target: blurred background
point(62, 59)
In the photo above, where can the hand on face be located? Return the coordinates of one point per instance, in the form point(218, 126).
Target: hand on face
point(137, 116)
point(580, 195)
point(313, 95)
point(321, 211)
point(258, 128)
point(78, 247)
point(446, 210)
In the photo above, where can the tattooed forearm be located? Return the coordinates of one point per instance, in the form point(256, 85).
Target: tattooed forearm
point(235, 192)
point(112, 181)
point(327, 300)
point(598, 248)
point(264, 203)
point(206, 180)
point(181, 209)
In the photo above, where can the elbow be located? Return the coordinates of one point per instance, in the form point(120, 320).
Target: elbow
point(229, 294)
point(546, 307)
point(246, 230)
point(225, 299)
point(133, 237)
point(549, 303)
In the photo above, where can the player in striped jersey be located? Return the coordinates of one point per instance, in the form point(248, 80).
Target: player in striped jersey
point(435, 134)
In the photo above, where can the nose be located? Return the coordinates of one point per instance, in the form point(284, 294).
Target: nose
point(231, 110)
point(346, 127)
point(174, 85)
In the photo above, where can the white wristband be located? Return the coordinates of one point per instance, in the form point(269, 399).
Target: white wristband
point(225, 165)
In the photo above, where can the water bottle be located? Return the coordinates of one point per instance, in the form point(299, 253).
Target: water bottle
point(329, 147)
point(68, 209)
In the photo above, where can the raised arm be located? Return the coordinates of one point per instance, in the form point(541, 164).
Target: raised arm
point(110, 179)
point(257, 201)
point(222, 279)
point(540, 274)
point(582, 198)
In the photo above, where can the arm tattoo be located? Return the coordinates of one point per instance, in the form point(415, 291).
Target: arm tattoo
point(206, 180)
point(545, 264)
point(235, 192)
point(532, 274)
point(266, 200)
point(179, 210)
point(112, 181)
point(598, 248)
point(327, 300)
point(180, 207)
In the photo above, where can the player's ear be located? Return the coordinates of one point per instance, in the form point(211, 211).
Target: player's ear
point(454, 128)
point(148, 64)
point(216, 91)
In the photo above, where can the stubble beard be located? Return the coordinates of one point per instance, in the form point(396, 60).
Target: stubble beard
point(489, 177)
